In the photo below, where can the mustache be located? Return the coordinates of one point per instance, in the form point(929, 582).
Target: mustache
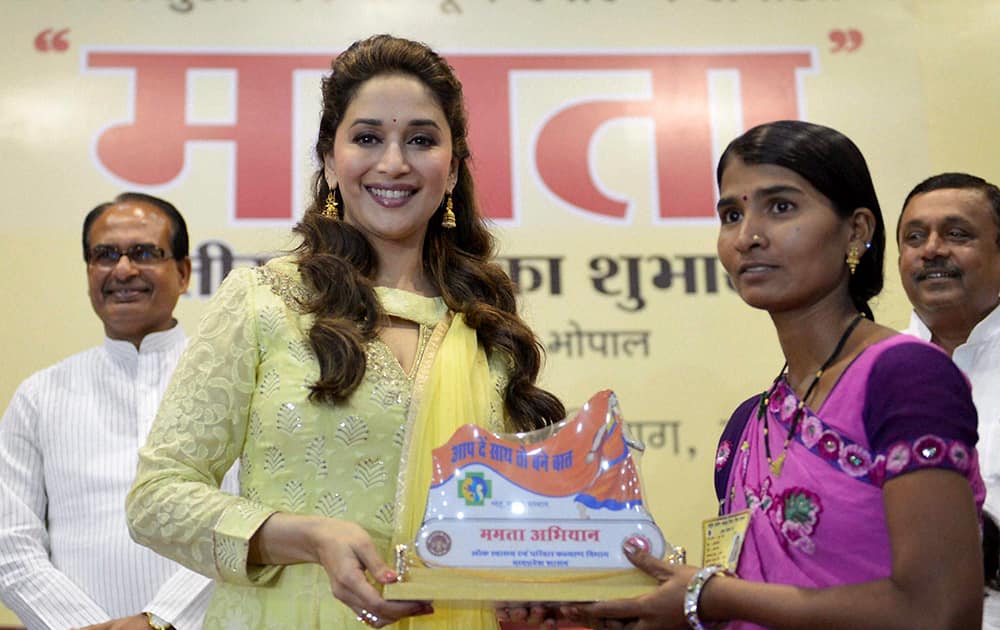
point(937, 267)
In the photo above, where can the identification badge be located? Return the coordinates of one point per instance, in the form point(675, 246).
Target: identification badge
point(722, 539)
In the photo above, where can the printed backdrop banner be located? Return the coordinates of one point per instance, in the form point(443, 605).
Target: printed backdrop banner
point(595, 128)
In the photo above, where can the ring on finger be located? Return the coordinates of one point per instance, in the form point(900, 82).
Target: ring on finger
point(368, 618)
point(678, 556)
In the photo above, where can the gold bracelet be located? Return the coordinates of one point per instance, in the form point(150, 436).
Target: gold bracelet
point(156, 623)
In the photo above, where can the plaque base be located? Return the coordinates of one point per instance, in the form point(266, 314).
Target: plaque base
point(512, 585)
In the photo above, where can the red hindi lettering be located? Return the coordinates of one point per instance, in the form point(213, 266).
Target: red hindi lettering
point(149, 149)
point(680, 110)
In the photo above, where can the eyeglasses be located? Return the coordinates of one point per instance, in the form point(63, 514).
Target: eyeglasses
point(141, 254)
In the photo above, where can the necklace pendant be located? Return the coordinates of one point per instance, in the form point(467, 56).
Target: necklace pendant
point(777, 465)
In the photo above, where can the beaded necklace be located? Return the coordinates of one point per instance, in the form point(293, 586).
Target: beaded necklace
point(765, 400)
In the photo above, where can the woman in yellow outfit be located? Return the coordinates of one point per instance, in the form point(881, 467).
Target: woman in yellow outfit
point(331, 373)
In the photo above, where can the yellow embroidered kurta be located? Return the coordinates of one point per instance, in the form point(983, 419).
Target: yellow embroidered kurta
point(241, 391)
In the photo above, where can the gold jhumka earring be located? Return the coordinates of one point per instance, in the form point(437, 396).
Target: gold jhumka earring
point(853, 258)
point(330, 208)
point(448, 221)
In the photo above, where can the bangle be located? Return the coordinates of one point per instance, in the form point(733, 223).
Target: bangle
point(157, 623)
point(692, 594)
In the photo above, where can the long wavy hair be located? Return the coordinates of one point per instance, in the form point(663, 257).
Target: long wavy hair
point(834, 166)
point(337, 261)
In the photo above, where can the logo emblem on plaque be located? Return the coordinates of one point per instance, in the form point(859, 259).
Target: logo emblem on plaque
point(475, 489)
point(438, 543)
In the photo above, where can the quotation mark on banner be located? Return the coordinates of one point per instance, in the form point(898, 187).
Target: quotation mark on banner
point(51, 39)
point(846, 41)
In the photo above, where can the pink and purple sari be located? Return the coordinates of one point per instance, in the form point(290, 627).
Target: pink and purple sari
point(901, 406)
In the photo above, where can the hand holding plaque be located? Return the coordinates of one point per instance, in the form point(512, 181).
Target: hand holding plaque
point(508, 514)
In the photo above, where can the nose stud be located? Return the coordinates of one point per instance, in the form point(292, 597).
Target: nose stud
point(755, 238)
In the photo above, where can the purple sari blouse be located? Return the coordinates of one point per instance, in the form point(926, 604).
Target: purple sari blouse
point(901, 405)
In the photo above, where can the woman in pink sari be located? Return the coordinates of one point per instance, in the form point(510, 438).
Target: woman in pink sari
point(857, 464)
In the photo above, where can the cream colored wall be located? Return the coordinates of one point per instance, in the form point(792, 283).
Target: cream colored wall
point(919, 96)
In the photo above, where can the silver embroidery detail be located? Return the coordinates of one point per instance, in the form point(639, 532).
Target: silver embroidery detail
point(293, 293)
point(386, 513)
point(315, 455)
point(230, 556)
point(255, 424)
point(270, 320)
point(270, 383)
point(288, 419)
point(301, 351)
point(399, 436)
point(352, 431)
point(370, 472)
point(295, 495)
point(273, 459)
point(331, 505)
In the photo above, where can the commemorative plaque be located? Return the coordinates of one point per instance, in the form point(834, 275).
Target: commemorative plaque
point(534, 516)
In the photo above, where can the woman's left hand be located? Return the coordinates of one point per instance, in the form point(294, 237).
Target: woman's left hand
point(660, 609)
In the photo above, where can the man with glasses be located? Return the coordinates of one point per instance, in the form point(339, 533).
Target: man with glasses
point(69, 438)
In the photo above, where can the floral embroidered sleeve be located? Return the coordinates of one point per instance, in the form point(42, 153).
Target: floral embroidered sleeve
point(175, 506)
point(919, 411)
point(724, 453)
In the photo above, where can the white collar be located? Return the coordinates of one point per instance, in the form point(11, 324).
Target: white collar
point(153, 342)
point(987, 327)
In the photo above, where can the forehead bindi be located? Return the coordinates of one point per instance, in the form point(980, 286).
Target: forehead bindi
point(744, 183)
point(397, 100)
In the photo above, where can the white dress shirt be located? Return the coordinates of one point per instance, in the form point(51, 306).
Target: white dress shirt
point(68, 454)
point(979, 358)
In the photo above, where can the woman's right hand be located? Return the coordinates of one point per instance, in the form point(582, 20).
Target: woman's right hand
point(660, 609)
point(347, 554)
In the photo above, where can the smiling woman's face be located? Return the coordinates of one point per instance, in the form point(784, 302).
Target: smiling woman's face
point(392, 160)
point(780, 239)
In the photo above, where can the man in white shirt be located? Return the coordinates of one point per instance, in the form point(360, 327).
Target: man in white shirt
point(68, 442)
point(949, 262)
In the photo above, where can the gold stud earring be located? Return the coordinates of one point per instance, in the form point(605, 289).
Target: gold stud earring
point(331, 210)
point(853, 258)
point(448, 221)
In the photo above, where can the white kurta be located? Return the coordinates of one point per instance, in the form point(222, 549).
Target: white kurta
point(979, 358)
point(68, 445)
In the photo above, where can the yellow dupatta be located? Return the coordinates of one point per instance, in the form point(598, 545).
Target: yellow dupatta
point(452, 388)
